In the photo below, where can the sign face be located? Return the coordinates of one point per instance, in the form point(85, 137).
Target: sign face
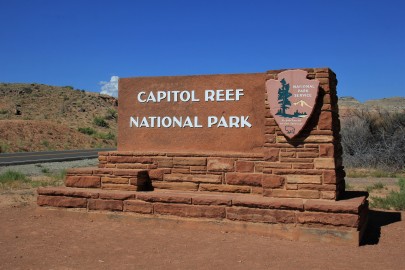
point(207, 113)
point(292, 99)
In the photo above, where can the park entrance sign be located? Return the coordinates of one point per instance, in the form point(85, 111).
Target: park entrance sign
point(192, 113)
point(256, 152)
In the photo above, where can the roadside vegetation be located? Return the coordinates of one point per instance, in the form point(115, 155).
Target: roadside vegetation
point(12, 180)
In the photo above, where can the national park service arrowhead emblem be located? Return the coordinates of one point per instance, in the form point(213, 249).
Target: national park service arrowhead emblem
point(292, 100)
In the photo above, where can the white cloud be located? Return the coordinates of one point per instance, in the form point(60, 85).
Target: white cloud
point(111, 87)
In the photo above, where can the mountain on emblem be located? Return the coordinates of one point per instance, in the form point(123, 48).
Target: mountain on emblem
point(292, 100)
point(302, 104)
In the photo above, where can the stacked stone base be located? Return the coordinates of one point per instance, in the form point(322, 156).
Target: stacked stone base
point(290, 218)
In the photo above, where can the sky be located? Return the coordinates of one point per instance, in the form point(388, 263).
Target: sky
point(89, 44)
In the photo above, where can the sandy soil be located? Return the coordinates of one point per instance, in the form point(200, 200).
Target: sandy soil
point(41, 238)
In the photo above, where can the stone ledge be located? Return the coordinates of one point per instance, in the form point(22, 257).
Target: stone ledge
point(350, 205)
point(285, 218)
point(250, 208)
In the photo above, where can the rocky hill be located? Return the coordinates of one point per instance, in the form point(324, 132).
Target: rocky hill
point(38, 117)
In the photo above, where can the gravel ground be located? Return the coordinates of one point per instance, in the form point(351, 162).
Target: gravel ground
point(37, 169)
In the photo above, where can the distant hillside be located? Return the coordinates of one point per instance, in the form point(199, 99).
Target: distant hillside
point(393, 104)
point(42, 117)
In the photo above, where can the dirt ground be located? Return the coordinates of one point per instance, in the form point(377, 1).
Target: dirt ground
point(42, 238)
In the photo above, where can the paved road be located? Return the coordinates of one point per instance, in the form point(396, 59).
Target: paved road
point(51, 156)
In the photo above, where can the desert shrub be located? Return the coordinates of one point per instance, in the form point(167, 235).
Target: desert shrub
point(100, 121)
point(86, 130)
point(47, 144)
point(3, 111)
point(106, 136)
point(111, 114)
point(69, 87)
point(374, 140)
point(4, 148)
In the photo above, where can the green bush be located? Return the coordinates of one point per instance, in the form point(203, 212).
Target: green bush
point(106, 136)
point(13, 176)
point(87, 130)
point(99, 121)
point(111, 114)
point(394, 200)
point(3, 111)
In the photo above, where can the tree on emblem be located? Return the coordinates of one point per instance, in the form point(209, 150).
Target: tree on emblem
point(283, 98)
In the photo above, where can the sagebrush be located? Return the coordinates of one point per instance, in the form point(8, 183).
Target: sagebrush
point(374, 139)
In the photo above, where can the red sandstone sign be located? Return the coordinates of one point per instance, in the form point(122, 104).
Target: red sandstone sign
point(192, 113)
point(292, 99)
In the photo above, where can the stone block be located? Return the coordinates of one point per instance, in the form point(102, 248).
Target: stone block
point(164, 197)
point(119, 187)
point(325, 121)
point(129, 159)
point(134, 166)
point(326, 150)
point(324, 163)
point(176, 185)
point(157, 174)
point(211, 200)
point(108, 205)
point(349, 206)
point(277, 165)
point(268, 203)
point(194, 211)
point(207, 178)
point(83, 181)
point(307, 155)
point(182, 170)
point(178, 177)
point(61, 201)
point(347, 220)
point(248, 179)
point(224, 188)
point(281, 193)
point(272, 155)
point(114, 180)
point(131, 172)
point(303, 166)
point(116, 195)
point(164, 162)
point(260, 215)
point(328, 195)
point(190, 161)
point(288, 154)
point(304, 179)
point(272, 181)
point(138, 207)
point(68, 192)
point(194, 169)
point(309, 139)
point(220, 164)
